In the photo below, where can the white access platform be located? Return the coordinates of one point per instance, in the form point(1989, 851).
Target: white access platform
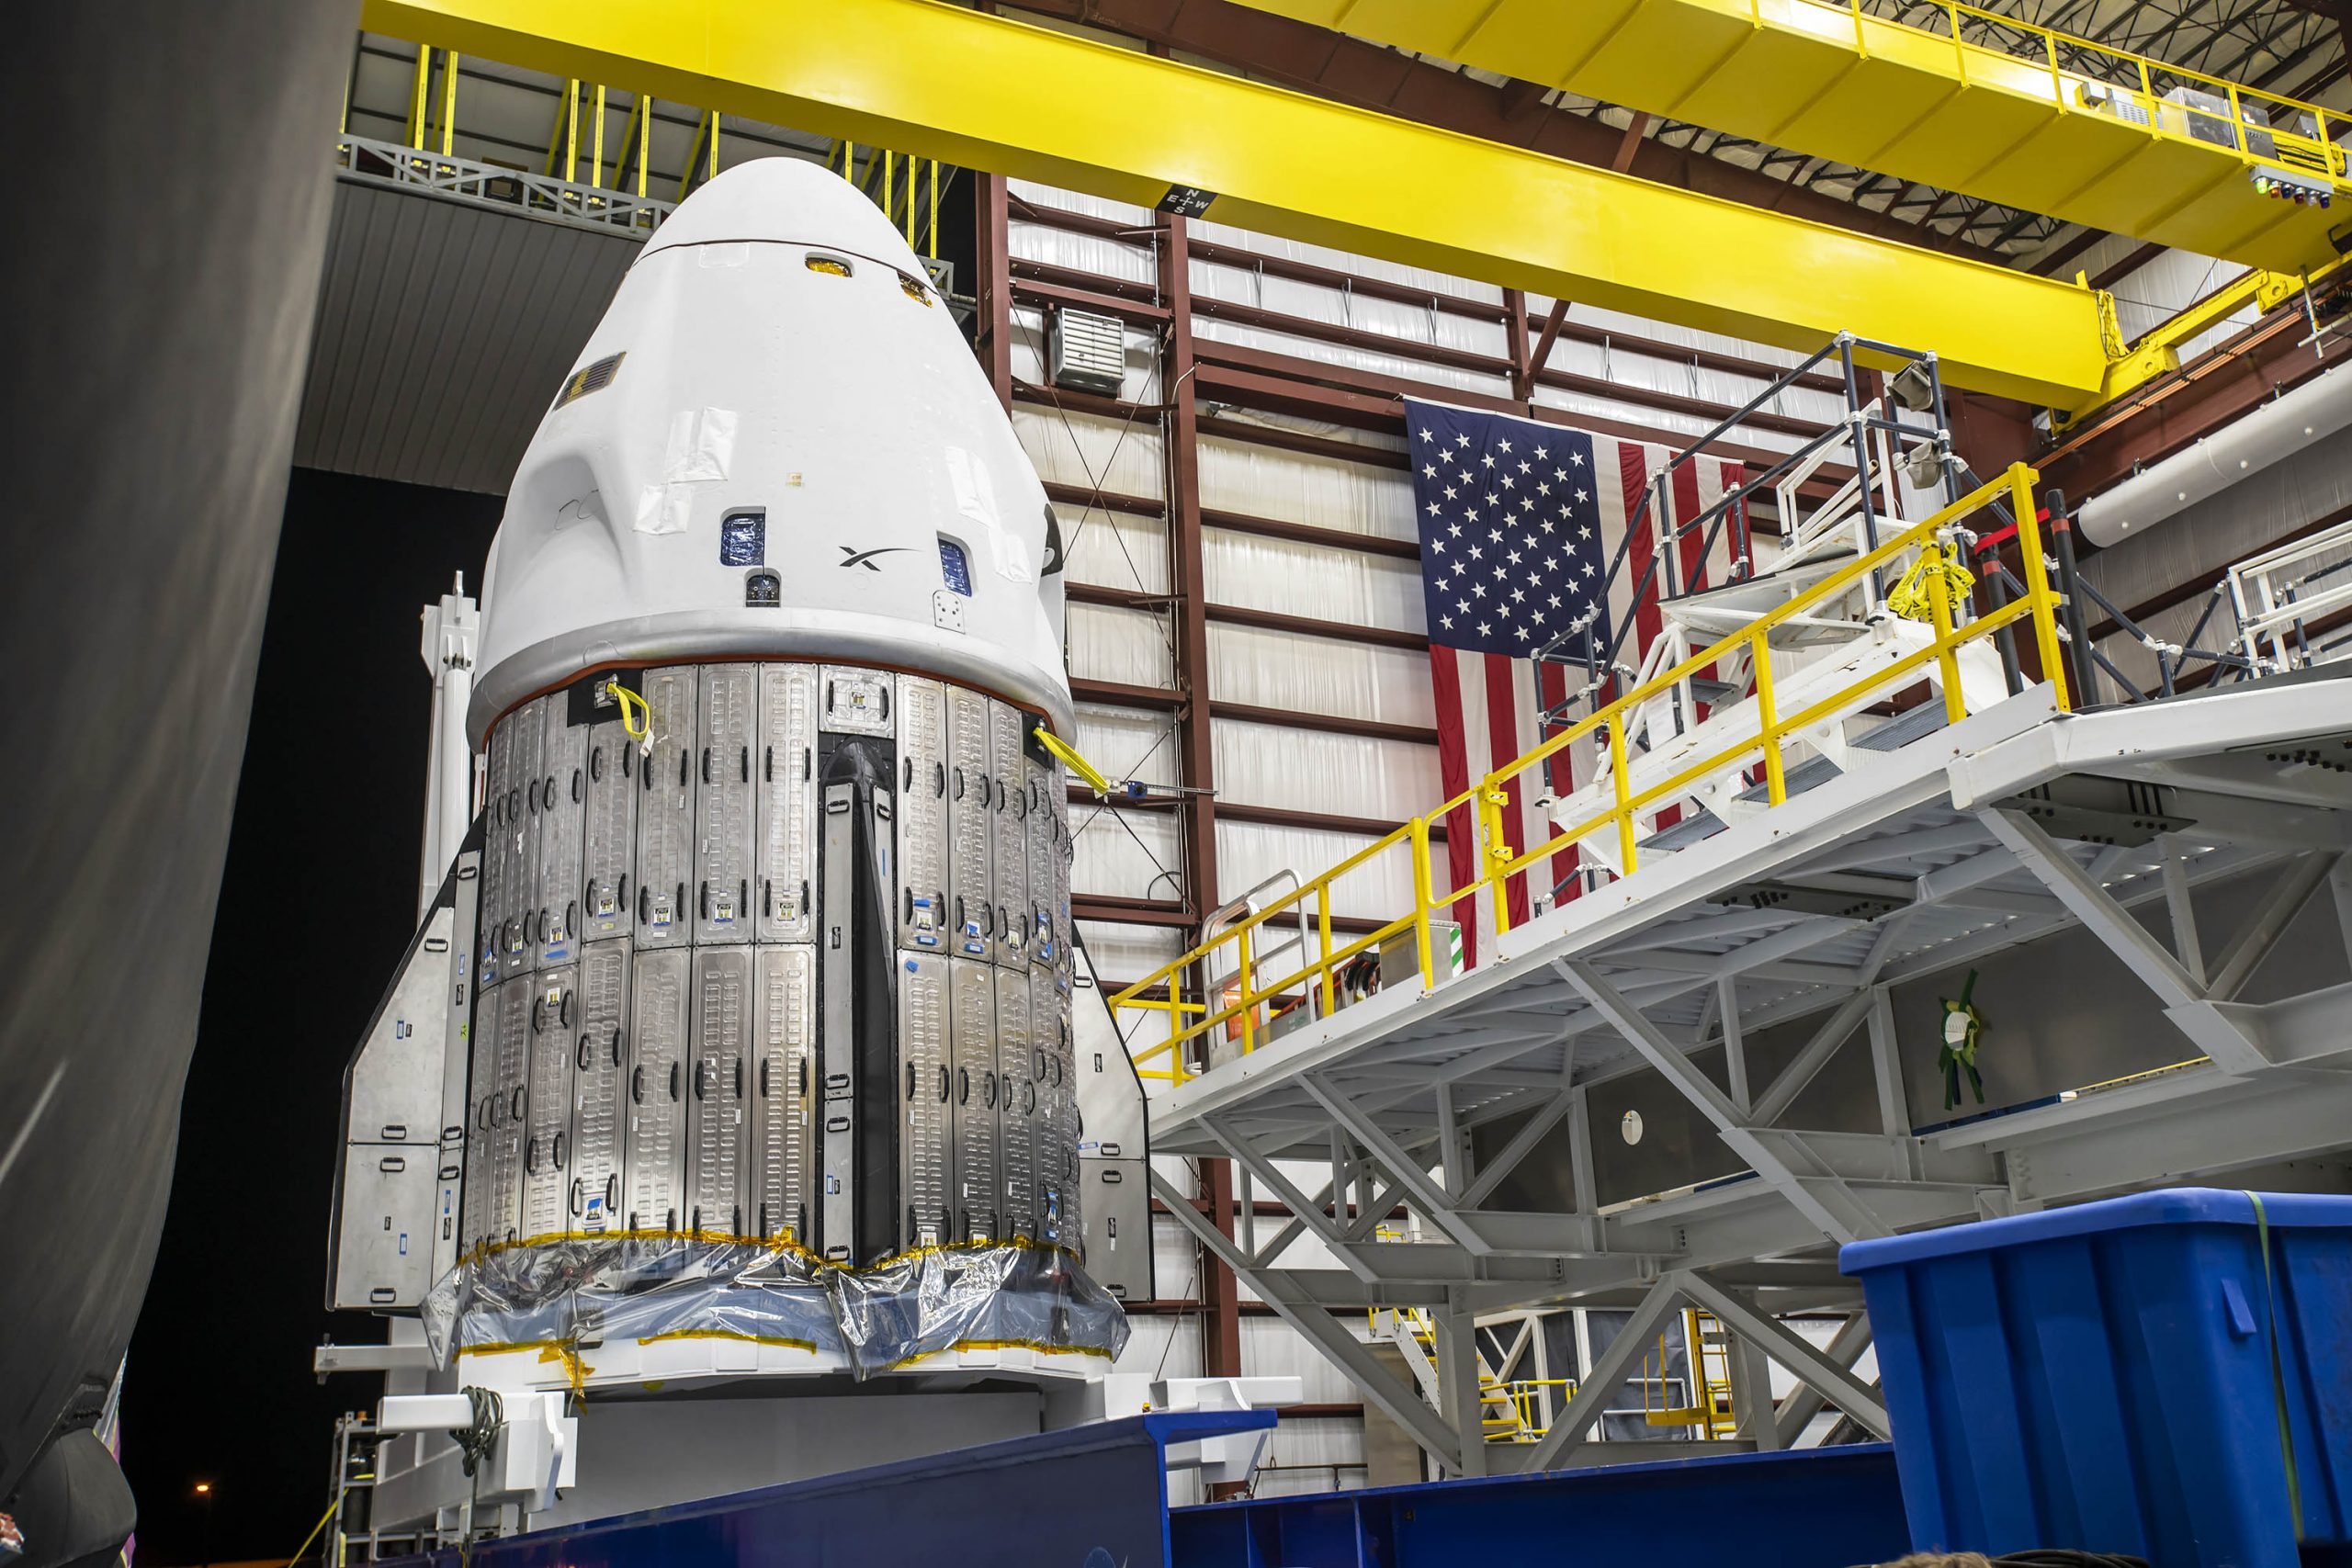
point(1646, 1096)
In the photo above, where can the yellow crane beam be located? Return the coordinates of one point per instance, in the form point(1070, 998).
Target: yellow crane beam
point(2067, 127)
point(993, 94)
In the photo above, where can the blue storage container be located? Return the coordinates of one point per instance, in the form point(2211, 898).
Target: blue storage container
point(2103, 1376)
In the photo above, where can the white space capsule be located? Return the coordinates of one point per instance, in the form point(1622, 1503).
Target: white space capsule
point(777, 442)
point(773, 942)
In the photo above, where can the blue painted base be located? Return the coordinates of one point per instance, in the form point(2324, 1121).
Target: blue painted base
point(1096, 1497)
point(1093, 1497)
point(1817, 1508)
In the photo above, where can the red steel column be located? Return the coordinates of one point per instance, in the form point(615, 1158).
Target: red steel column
point(1220, 1294)
point(992, 288)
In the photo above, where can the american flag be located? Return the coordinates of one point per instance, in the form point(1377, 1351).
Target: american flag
point(1520, 523)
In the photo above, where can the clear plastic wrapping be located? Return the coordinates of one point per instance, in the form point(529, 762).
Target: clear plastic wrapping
point(571, 1296)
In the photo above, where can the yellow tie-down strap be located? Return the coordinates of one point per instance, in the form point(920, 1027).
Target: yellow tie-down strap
point(575, 1370)
point(1043, 1347)
point(782, 1243)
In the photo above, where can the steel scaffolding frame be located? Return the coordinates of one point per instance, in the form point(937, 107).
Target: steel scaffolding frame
point(1953, 828)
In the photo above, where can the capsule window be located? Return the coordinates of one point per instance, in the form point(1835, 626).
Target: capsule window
point(955, 566)
point(833, 264)
point(914, 290)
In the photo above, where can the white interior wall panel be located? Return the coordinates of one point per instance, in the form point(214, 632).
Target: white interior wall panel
point(1233, 416)
point(1664, 422)
point(1271, 1348)
point(1345, 261)
point(1320, 675)
point(1123, 854)
point(1123, 953)
point(1121, 457)
point(1127, 744)
point(1032, 241)
point(1115, 550)
point(1540, 305)
point(1107, 643)
point(1162, 1344)
point(1072, 201)
point(1250, 852)
point(1319, 581)
point(1177, 1172)
point(1305, 487)
point(1409, 324)
point(1315, 769)
point(1175, 1261)
point(1683, 379)
point(1346, 356)
point(2168, 283)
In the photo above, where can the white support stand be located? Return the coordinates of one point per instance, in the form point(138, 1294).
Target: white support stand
point(1218, 1459)
point(535, 1456)
point(452, 631)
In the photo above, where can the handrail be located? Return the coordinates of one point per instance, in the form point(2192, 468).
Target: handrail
point(1499, 862)
point(2140, 73)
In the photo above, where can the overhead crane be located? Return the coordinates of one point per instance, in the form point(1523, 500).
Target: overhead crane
point(2070, 127)
point(998, 94)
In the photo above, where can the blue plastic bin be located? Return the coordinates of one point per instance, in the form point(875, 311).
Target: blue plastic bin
point(2100, 1377)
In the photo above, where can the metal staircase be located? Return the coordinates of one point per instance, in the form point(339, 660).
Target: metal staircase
point(1509, 1411)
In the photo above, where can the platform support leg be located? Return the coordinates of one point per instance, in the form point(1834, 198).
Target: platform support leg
point(1457, 1381)
point(1751, 1396)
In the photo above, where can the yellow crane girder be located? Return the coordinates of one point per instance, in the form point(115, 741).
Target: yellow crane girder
point(993, 94)
point(2071, 129)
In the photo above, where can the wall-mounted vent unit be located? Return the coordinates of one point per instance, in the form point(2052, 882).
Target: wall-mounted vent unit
point(1086, 353)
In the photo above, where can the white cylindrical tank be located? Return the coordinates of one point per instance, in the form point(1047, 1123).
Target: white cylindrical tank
point(2311, 413)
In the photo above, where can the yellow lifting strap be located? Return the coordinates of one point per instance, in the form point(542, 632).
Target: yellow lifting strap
point(637, 714)
point(1078, 764)
point(1914, 598)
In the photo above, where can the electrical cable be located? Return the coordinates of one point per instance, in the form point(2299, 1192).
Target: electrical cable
point(315, 1529)
point(475, 1442)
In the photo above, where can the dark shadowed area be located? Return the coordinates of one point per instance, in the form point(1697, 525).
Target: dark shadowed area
point(316, 906)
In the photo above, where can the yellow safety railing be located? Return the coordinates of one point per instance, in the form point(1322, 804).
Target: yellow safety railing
point(2129, 78)
point(1707, 1380)
point(1229, 995)
point(1527, 1398)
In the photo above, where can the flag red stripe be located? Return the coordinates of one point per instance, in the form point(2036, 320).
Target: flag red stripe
point(1503, 748)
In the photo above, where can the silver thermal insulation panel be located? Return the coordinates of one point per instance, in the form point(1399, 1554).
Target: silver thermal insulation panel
point(787, 961)
point(396, 1219)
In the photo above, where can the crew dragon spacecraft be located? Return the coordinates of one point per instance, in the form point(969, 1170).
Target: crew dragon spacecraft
point(748, 1034)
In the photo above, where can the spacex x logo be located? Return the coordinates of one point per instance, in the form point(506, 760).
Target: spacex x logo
point(851, 556)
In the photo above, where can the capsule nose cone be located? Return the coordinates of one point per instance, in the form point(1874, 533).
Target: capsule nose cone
point(785, 200)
